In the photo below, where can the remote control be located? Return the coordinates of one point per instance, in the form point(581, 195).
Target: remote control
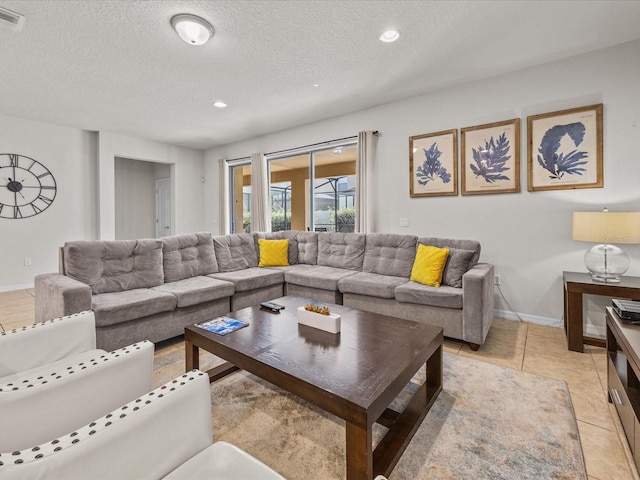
point(274, 307)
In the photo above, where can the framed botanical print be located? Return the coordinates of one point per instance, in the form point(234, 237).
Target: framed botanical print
point(490, 159)
point(433, 162)
point(564, 149)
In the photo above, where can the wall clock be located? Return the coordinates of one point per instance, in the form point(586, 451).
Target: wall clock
point(27, 187)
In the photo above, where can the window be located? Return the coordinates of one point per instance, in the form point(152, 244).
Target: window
point(314, 190)
point(311, 188)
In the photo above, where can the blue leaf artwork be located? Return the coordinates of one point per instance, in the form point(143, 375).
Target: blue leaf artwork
point(432, 168)
point(559, 164)
point(490, 160)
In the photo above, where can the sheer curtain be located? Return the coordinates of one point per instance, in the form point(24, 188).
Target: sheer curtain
point(365, 157)
point(223, 216)
point(260, 208)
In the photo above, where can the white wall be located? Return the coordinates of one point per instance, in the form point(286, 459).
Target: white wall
point(526, 235)
point(70, 155)
point(135, 197)
point(186, 172)
point(82, 163)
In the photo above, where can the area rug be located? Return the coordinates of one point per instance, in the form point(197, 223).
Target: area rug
point(488, 422)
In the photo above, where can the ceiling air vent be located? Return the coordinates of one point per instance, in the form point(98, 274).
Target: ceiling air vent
point(12, 19)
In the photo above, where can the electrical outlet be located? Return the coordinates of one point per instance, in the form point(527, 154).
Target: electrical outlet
point(497, 280)
point(27, 261)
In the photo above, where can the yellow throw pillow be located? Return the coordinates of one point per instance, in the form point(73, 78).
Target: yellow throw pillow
point(429, 265)
point(273, 253)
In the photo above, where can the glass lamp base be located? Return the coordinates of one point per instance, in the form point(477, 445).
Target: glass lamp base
point(606, 263)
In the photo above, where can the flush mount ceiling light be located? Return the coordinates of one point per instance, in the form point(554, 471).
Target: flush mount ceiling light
point(389, 36)
point(219, 104)
point(192, 29)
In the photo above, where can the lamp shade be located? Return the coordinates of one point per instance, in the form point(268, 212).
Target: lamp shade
point(606, 227)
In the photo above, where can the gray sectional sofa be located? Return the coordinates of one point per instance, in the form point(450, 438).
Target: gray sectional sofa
point(152, 288)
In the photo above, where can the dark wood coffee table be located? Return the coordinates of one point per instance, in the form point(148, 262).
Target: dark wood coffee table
point(354, 375)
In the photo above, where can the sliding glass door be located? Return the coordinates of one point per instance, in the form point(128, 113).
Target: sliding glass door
point(314, 190)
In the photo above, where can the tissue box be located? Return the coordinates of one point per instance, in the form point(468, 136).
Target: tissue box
point(328, 323)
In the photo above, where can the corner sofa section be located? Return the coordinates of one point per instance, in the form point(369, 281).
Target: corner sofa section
point(153, 288)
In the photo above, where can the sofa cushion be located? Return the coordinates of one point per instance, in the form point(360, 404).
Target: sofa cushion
point(251, 278)
point(444, 296)
point(115, 265)
point(429, 265)
point(389, 254)
point(372, 284)
point(235, 251)
point(117, 307)
point(185, 256)
point(273, 253)
point(196, 290)
point(292, 252)
point(457, 265)
point(472, 245)
point(307, 248)
point(323, 278)
point(341, 250)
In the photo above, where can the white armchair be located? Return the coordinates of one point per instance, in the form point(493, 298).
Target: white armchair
point(166, 433)
point(53, 379)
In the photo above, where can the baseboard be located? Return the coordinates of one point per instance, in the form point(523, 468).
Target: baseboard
point(9, 288)
point(546, 321)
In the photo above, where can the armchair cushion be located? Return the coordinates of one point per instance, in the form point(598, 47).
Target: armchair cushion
point(224, 461)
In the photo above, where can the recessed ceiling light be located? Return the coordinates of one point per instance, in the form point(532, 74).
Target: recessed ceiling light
point(219, 104)
point(192, 29)
point(389, 36)
point(316, 84)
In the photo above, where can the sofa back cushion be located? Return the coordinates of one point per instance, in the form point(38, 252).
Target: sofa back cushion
point(235, 251)
point(389, 254)
point(186, 256)
point(116, 265)
point(472, 245)
point(463, 254)
point(307, 248)
point(341, 250)
point(292, 251)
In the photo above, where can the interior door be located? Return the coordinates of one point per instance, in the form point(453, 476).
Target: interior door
point(163, 207)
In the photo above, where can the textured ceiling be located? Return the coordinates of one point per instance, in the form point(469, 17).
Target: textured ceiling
point(118, 66)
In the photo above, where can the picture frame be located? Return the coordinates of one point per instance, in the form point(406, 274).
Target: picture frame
point(490, 158)
point(564, 149)
point(433, 164)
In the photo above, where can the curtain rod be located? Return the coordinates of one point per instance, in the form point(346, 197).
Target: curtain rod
point(328, 142)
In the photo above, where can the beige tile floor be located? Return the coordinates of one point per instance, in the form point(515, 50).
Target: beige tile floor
point(523, 346)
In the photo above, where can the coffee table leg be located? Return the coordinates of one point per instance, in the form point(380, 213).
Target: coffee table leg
point(359, 452)
point(192, 356)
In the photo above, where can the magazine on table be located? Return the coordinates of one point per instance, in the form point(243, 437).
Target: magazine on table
point(222, 325)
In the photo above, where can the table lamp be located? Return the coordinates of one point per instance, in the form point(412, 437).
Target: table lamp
point(606, 262)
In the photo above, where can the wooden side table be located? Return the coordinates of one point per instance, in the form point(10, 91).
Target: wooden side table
point(575, 284)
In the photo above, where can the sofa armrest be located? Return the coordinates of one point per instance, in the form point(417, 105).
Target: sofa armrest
point(477, 302)
point(147, 438)
point(58, 295)
point(41, 343)
point(46, 402)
